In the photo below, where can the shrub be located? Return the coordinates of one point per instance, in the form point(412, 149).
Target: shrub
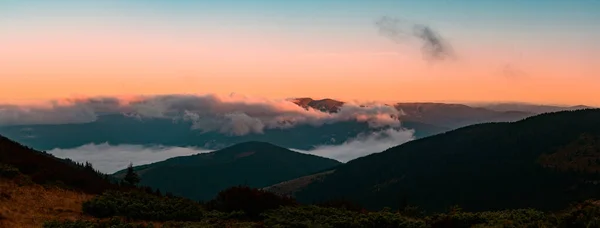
point(314, 216)
point(8, 171)
point(113, 223)
point(253, 202)
point(506, 218)
point(585, 214)
point(141, 205)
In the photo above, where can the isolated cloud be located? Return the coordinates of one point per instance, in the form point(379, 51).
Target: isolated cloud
point(363, 145)
point(234, 114)
point(434, 47)
point(109, 158)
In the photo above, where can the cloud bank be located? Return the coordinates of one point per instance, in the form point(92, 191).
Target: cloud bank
point(111, 158)
point(234, 114)
point(434, 47)
point(363, 145)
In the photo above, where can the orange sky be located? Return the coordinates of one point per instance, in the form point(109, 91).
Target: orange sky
point(54, 57)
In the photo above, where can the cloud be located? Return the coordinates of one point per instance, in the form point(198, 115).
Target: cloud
point(434, 47)
point(363, 145)
point(109, 158)
point(233, 114)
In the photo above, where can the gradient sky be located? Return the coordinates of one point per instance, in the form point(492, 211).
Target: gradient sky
point(544, 51)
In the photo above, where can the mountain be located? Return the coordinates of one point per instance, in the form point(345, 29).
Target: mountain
point(290, 187)
point(256, 164)
point(119, 129)
point(325, 105)
point(532, 108)
point(455, 115)
point(44, 168)
point(545, 162)
point(442, 115)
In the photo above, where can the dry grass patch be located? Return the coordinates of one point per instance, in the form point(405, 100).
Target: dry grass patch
point(30, 205)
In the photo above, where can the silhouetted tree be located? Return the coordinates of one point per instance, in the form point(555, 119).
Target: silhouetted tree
point(131, 177)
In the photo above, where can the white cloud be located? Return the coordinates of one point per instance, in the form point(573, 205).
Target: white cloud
point(234, 114)
point(363, 145)
point(109, 158)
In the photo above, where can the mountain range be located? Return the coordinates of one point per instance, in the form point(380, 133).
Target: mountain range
point(425, 119)
point(545, 161)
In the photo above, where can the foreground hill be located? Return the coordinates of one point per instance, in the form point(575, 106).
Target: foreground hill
point(546, 162)
point(46, 169)
point(256, 164)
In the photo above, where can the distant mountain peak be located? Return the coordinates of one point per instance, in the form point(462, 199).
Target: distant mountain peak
point(326, 104)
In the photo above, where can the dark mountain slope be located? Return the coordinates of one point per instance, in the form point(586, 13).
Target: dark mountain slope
point(532, 108)
point(45, 169)
point(485, 166)
point(256, 164)
point(455, 115)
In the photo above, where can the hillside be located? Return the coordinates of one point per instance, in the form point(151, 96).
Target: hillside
point(290, 187)
point(46, 169)
point(532, 108)
point(30, 205)
point(256, 164)
point(545, 162)
point(441, 115)
point(456, 115)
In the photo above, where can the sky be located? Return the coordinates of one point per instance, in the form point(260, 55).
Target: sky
point(544, 51)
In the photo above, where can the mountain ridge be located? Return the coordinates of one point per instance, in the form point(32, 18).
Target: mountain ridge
point(455, 162)
point(253, 163)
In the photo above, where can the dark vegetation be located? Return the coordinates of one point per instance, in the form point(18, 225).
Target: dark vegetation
point(544, 162)
point(255, 164)
point(143, 206)
point(44, 168)
point(585, 214)
point(252, 202)
point(465, 167)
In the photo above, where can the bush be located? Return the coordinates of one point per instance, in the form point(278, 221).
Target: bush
point(8, 171)
point(141, 205)
point(507, 218)
point(585, 214)
point(253, 202)
point(113, 223)
point(118, 223)
point(314, 216)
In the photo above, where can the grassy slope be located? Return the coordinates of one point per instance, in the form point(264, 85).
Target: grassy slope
point(29, 205)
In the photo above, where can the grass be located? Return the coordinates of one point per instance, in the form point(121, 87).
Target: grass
point(29, 205)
